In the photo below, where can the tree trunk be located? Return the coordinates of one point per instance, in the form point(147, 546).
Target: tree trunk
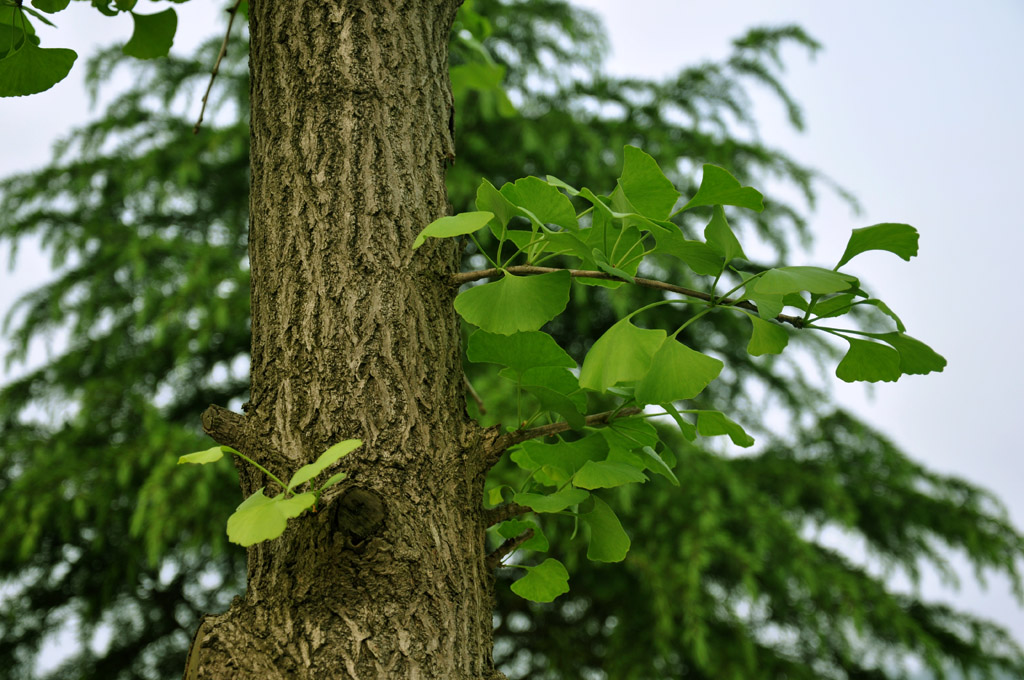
point(354, 336)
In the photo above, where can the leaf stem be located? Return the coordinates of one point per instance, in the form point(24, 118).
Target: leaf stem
point(481, 250)
point(265, 471)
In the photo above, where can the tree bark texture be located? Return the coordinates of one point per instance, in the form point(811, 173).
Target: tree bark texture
point(354, 336)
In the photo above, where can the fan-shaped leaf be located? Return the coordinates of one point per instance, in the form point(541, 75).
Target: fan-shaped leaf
point(543, 583)
point(515, 303)
point(454, 225)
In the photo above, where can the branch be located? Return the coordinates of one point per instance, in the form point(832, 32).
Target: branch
point(499, 514)
point(476, 397)
point(466, 277)
point(492, 452)
point(216, 65)
point(227, 428)
point(494, 559)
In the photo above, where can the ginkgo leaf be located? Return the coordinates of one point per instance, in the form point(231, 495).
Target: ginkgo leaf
point(916, 358)
point(621, 355)
point(795, 279)
point(260, 518)
point(900, 239)
point(153, 34)
point(31, 69)
point(552, 502)
point(543, 201)
point(676, 372)
point(542, 583)
point(325, 460)
point(766, 337)
point(719, 187)
point(608, 540)
point(453, 225)
point(519, 351)
point(720, 237)
point(515, 303)
point(517, 527)
point(869, 362)
point(605, 474)
point(645, 185)
point(657, 464)
point(203, 457)
point(713, 423)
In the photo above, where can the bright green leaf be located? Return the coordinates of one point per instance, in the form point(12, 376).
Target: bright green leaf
point(515, 303)
point(720, 237)
point(295, 505)
point(519, 351)
point(645, 185)
point(203, 457)
point(332, 480)
point(630, 433)
point(676, 372)
point(545, 202)
point(795, 279)
point(608, 540)
point(658, 465)
point(543, 583)
point(621, 355)
point(153, 34)
point(713, 423)
point(718, 187)
point(490, 200)
point(568, 456)
point(553, 502)
point(870, 362)
point(558, 391)
point(453, 225)
point(766, 337)
point(916, 358)
point(257, 519)
point(555, 182)
point(326, 459)
point(900, 239)
point(696, 255)
point(605, 474)
point(31, 69)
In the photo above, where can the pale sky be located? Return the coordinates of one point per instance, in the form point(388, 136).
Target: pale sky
point(915, 106)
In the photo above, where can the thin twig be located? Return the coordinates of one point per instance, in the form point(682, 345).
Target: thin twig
point(476, 397)
point(495, 558)
point(216, 66)
point(503, 512)
point(466, 277)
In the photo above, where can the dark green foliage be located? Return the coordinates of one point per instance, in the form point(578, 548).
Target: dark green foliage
point(725, 578)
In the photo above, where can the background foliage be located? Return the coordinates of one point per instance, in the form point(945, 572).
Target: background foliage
point(727, 576)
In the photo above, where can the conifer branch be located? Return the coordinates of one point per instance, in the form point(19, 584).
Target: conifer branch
point(521, 270)
point(216, 65)
point(495, 558)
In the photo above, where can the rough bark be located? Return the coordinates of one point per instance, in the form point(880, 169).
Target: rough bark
point(354, 336)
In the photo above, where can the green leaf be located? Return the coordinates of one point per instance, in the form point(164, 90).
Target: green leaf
point(326, 459)
point(900, 239)
point(658, 465)
point(686, 428)
point(605, 474)
point(31, 69)
point(608, 540)
point(203, 457)
point(870, 362)
point(50, 6)
point(542, 583)
point(332, 480)
point(645, 185)
point(543, 201)
point(453, 225)
point(630, 433)
point(721, 238)
point(713, 423)
point(718, 187)
point(126, 5)
point(766, 337)
point(696, 255)
point(795, 279)
point(494, 496)
point(557, 390)
point(769, 305)
point(834, 306)
point(516, 527)
point(916, 358)
point(676, 372)
point(519, 351)
point(260, 518)
point(621, 355)
point(515, 303)
point(884, 308)
point(567, 456)
point(552, 502)
point(153, 34)
point(555, 182)
point(490, 200)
